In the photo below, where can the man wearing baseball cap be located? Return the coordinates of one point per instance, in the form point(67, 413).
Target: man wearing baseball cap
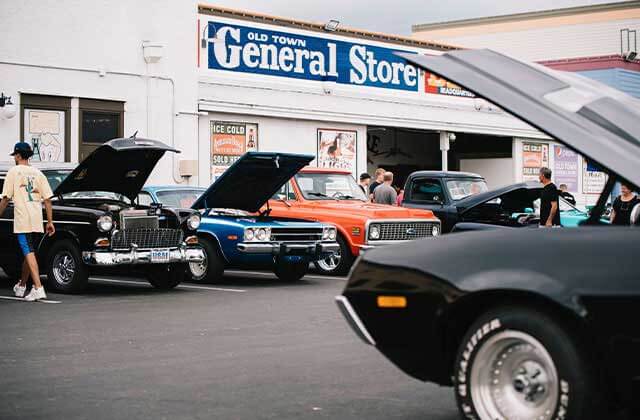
point(28, 188)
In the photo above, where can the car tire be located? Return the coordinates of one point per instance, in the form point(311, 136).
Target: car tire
point(520, 360)
point(66, 272)
point(291, 271)
point(166, 276)
point(338, 264)
point(211, 269)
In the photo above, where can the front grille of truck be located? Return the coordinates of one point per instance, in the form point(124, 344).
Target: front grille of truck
point(296, 234)
point(146, 238)
point(403, 231)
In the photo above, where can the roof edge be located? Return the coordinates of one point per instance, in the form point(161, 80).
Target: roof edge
point(620, 5)
point(319, 27)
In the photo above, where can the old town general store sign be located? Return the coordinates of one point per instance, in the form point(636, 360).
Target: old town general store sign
point(255, 50)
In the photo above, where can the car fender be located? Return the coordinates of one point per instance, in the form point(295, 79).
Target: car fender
point(212, 236)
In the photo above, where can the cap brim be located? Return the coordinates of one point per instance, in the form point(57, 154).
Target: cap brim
point(13, 154)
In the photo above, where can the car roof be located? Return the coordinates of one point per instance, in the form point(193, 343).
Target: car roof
point(43, 166)
point(444, 174)
point(314, 170)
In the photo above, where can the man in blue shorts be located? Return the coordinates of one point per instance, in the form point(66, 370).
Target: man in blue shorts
point(28, 188)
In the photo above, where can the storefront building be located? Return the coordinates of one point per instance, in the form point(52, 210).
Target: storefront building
point(596, 41)
point(216, 83)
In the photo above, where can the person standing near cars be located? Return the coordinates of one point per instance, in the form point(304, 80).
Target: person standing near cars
point(564, 193)
point(622, 206)
point(365, 180)
point(549, 200)
point(385, 193)
point(379, 180)
point(28, 188)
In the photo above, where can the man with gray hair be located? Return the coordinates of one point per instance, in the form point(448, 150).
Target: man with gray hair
point(549, 200)
point(385, 193)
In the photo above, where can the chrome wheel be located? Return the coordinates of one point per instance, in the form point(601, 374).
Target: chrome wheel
point(514, 377)
point(64, 267)
point(198, 270)
point(330, 263)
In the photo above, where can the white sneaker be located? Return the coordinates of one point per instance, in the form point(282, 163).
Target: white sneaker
point(19, 291)
point(35, 294)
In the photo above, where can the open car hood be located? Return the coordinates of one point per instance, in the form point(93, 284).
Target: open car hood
point(252, 180)
point(594, 119)
point(121, 166)
point(527, 188)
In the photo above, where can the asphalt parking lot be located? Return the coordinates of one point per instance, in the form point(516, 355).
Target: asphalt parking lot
point(248, 348)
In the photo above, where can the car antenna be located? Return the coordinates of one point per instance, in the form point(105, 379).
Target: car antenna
point(134, 135)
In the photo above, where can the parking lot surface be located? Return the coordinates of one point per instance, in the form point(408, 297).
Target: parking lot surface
point(250, 347)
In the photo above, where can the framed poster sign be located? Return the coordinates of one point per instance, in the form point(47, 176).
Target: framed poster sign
point(534, 157)
point(566, 167)
point(337, 149)
point(229, 141)
point(45, 131)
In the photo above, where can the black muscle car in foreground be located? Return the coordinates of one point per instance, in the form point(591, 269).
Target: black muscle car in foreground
point(100, 226)
point(523, 323)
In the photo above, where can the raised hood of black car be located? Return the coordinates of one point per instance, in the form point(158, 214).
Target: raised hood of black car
point(252, 180)
point(121, 166)
point(527, 189)
point(594, 119)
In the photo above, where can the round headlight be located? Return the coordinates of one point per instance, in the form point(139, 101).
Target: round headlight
point(332, 234)
point(261, 235)
point(435, 230)
point(193, 222)
point(374, 232)
point(249, 234)
point(105, 223)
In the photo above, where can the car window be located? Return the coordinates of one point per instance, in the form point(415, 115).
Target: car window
point(285, 193)
point(56, 177)
point(461, 188)
point(426, 189)
point(329, 186)
point(178, 198)
point(144, 199)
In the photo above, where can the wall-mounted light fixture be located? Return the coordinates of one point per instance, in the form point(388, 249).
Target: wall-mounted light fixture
point(212, 37)
point(8, 109)
point(332, 25)
point(152, 51)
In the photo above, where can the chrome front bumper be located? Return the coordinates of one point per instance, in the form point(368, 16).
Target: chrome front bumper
point(354, 320)
point(132, 257)
point(276, 248)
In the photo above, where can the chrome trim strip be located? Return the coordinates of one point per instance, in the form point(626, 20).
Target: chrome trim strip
point(275, 248)
point(354, 320)
point(68, 222)
point(114, 258)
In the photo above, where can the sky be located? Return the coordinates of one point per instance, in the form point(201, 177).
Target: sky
point(394, 16)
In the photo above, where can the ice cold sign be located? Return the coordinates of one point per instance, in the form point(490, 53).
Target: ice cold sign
point(274, 53)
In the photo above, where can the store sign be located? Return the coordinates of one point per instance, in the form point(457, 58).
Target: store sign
point(337, 149)
point(566, 167)
point(275, 53)
point(438, 85)
point(593, 180)
point(534, 157)
point(229, 141)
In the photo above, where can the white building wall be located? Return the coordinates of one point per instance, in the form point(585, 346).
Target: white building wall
point(60, 48)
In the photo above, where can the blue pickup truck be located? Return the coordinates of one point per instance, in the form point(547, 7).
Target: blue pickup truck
point(236, 229)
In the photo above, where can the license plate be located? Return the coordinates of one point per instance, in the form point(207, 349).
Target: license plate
point(159, 255)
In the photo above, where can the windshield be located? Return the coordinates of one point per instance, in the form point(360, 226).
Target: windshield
point(56, 177)
point(461, 188)
point(329, 187)
point(179, 198)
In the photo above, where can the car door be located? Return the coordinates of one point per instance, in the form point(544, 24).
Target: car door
point(429, 193)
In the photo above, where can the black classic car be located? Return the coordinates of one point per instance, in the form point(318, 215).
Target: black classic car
point(440, 192)
point(99, 225)
point(522, 323)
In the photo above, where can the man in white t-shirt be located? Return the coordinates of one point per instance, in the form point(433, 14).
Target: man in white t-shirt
point(28, 188)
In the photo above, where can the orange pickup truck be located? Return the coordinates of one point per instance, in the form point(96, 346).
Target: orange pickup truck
point(333, 196)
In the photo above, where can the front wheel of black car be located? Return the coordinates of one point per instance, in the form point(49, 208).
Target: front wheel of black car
point(65, 270)
point(291, 271)
point(212, 268)
point(337, 264)
point(515, 362)
point(166, 276)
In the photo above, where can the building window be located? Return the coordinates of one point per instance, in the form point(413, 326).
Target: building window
point(99, 127)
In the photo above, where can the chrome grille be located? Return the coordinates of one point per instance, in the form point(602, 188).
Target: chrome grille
point(296, 234)
point(146, 238)
point(403, 231)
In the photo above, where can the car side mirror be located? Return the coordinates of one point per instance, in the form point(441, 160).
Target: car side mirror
point(635, 216)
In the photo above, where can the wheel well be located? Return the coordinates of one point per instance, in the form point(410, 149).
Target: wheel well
point(469, 308)
point(216, 242)
point(47, 243)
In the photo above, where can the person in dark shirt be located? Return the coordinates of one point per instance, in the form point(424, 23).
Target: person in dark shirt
point(379, 181)
point(549, 200)
point(622, 206)
point(566, 194)
point(365, 180)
